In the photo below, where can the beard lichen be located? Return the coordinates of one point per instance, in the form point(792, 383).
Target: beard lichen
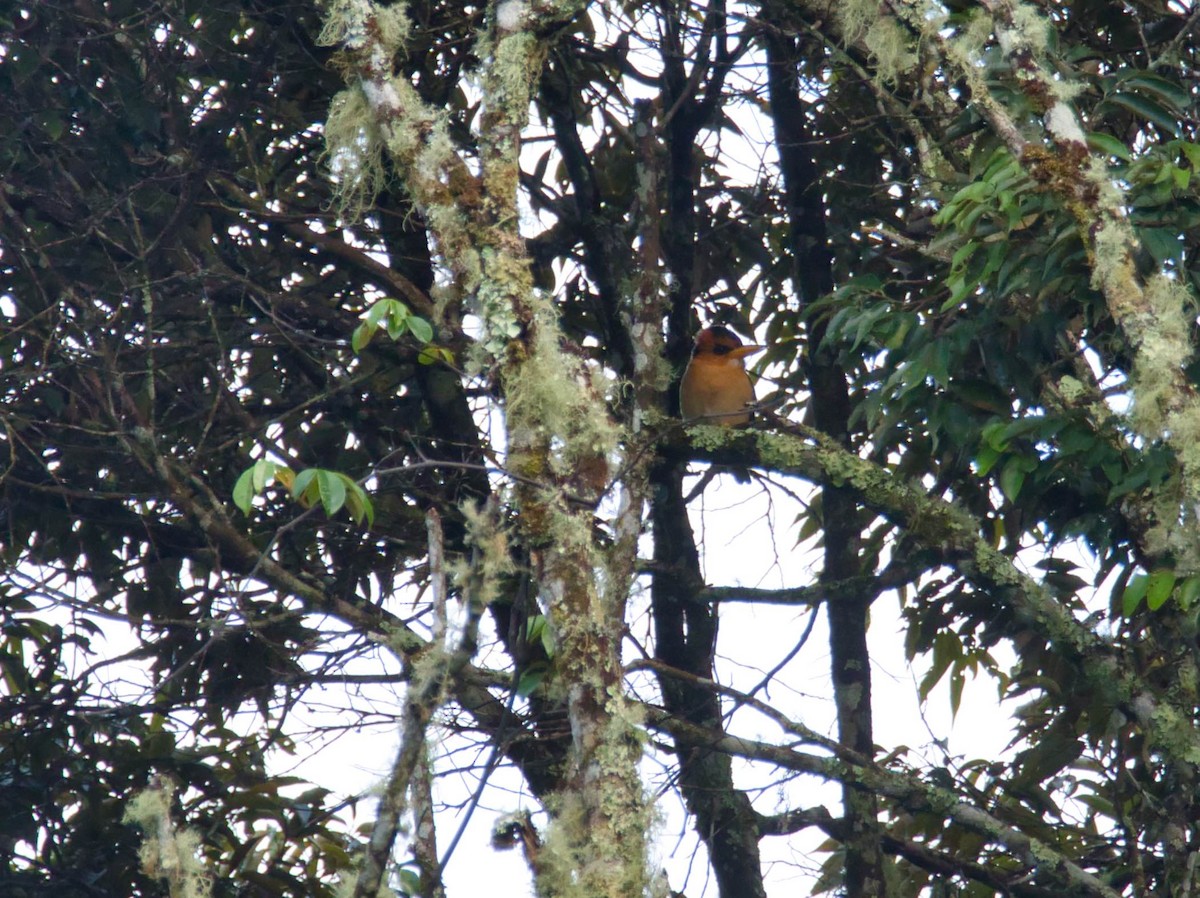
point(353, 152)
point(551, 396)
point(480, 577)
point(347, 23)
point(167, 852)
point(892, 48)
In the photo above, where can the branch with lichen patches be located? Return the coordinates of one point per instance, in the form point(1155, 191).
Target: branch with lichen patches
point(954, 537)
point(910, 791)
point(559, 432)
point(168, 852)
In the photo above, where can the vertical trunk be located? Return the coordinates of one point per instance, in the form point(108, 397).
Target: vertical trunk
point(685, 638)
point(829, 407)
point(685, 631)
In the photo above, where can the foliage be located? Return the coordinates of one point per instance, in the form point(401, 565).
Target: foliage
point(968, 234)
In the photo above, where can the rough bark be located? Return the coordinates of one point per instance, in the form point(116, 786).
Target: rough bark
point(829, 409)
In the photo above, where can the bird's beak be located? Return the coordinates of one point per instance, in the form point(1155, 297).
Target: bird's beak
point(740, 352)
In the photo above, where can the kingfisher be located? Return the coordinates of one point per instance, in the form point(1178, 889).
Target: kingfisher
point(716, 388)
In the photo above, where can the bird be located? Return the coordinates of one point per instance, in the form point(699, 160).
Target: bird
point(716, 388)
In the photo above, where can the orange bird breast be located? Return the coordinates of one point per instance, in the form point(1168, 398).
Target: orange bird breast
point(716, 388)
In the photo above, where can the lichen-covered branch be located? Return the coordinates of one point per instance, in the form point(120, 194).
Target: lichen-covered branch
point(559, 435)
point(430, 675)
point(168, 852)
point(953, 536)
point(908, 790)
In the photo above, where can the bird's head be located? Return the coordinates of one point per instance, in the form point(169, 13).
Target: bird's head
point(718, 344)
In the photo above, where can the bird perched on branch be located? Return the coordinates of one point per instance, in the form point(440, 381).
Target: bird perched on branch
point(716, 388)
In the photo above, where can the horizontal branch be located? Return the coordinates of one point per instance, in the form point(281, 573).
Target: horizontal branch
point(919, 854)
point(389, 278)
point(892, 577)
point(952, 536)
point(911, 792)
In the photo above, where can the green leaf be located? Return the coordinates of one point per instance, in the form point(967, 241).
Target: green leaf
point(1107, 145)
point(263, 473)
point(947, 649)
point(359, 504)
point(1191, 152)
point(54, 125)
point(244, 492)
point(958, 679)
point(1012, 478)
point(332, 490)
point(397, 320)
point(378, 312)
point(421, 329)
point(1159, 588)
point(431, 355)
point(362, 336)
point(531, 678)
point(1149, 110)
point(257, 478)
point(986, 459)
point(996, 435)
point(1134, 593)
point(410, 881)
point(1189, 591)
point(1162, 243)
point(1169, 92)
point(303, 490)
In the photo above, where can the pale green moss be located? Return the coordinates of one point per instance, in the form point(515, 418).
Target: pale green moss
point(451, 229)
point(892, 48)
point(490, 561)
point(1066, 91)
point(711, 437)
point(574, 863)
point(855, 16)
point(166, 852)
point(551, 396)
point(1030, 29)
point(1160, 331)
point(1108, 195)
point(1072, 389)
point(1113, 271)
point(347, 21)
point(517, 61)
point(354, 152)
point(436, 153)
point(1178, 734)
point(502, 278)
point(393, 24)
point(1062, 124)
point(344, 23)
point(967, 46)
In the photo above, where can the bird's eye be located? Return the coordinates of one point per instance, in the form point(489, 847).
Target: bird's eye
point(720, 349)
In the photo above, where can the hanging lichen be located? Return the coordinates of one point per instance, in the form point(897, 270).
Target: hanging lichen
point(168, 852)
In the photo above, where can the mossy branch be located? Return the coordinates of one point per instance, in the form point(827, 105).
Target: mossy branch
point(910, 791)
point(168, 852)
point(559, 433)
point(955, 537)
